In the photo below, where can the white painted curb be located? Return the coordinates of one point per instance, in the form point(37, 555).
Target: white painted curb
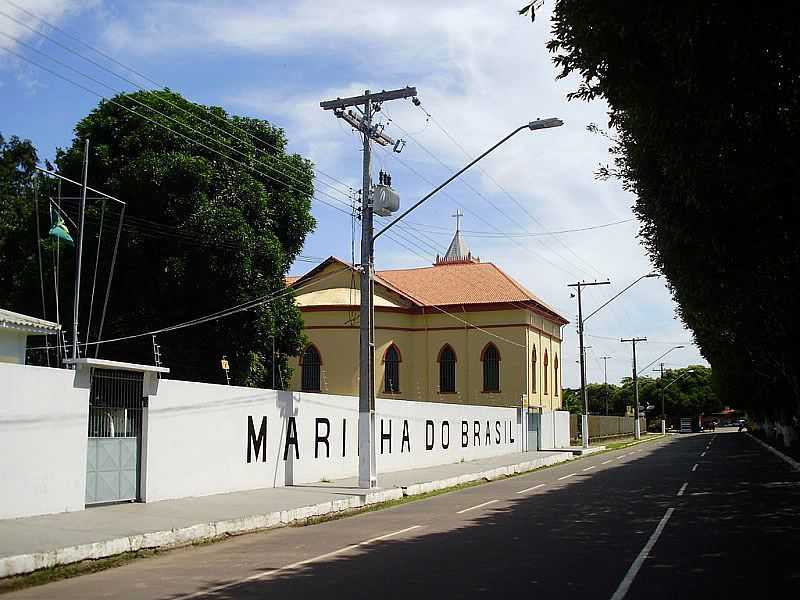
point(788, 459)
point(25, 563)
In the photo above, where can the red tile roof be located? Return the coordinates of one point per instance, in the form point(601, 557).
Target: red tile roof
point(448, 284)
point(460, 283)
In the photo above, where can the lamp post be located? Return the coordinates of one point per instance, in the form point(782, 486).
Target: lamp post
point(663, 416)
point(663, 389)
point(367, 476)
point(581, 322)
point(605, 378)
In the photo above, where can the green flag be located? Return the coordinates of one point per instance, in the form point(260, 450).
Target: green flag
point(59, 228)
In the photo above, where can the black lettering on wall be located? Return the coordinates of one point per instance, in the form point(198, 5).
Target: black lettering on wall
point(464, 434)
point(406, 441)
point(428, 435)
point(445, 436)
point(257, 444)
point(291, 440)
point(511, 432)
point(386, 436)
point(344, 436)
point(476, 432)
point(488, 434)
point(322, 438)
point(497, 431)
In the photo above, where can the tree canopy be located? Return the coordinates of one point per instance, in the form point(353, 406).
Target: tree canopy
point(201, 233)
point(687, 392)
point(704, 112)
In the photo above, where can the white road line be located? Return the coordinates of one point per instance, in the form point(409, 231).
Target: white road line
point(566, 476)
point(702, 454)
point(530, 489)
point(270, 572)
point(589, 468)
point(694, 468)
point(625, 584)
point(683, 488)
point(461, 512)
point(622, 456)
point(605, 462)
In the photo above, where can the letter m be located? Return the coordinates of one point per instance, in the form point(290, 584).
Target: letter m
point(257, 444)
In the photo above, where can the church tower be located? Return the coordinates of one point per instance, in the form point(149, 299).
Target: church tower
point(458, 252)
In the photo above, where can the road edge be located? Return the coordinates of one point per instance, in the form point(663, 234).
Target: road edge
point(788, 459)
point(23, 564)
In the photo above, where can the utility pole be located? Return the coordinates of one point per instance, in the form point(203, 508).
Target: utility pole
point(605, 378)
point(661, 390)
point(636, 428)
point(77, 300)
point(584, 394)
point(367, 105)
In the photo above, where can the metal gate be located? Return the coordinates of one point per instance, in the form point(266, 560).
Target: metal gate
point(533, 431)
point(114, 451)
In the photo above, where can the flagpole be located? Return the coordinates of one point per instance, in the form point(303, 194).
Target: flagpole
point(76, 304)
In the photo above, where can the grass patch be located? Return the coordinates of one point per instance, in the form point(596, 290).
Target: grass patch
point(58, 572)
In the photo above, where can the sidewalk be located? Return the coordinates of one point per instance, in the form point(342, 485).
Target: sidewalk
point(33, 543)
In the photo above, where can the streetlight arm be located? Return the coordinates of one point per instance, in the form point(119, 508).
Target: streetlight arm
point(609, 301)
point(659, 358)
point(533, 125)
point(677, 379)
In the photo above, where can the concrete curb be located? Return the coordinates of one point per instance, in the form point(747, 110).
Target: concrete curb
point(172, 538)
point(788, 459)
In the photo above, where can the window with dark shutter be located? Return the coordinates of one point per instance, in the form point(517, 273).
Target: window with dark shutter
point(447, 370)
point(311, 364)
point(491, 368)
point(391, 370)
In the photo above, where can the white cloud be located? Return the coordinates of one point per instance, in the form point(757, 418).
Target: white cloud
point(481, 71)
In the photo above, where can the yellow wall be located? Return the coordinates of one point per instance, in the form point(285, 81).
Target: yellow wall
point(419, 337)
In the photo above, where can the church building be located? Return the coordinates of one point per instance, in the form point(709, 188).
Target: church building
point(460, 331)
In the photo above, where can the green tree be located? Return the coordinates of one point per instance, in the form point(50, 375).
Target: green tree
point(202, 234)
point(705, 117)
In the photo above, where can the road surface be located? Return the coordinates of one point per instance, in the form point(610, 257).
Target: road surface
point(710, 515)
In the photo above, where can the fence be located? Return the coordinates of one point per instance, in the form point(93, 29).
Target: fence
point(603, 427)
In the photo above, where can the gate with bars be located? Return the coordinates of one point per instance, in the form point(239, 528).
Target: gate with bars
point(113, 460)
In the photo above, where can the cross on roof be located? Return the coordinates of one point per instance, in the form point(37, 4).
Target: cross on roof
point(458, 216)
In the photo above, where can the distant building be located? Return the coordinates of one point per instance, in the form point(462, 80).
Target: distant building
point(14, 331)
point(460, 331)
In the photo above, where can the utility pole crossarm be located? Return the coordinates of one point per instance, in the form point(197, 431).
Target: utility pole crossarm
point(406, 92)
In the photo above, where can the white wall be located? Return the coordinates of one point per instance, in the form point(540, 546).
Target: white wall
point(43, 425)
point(12, 346)
point(554, 429)
point(198, 435)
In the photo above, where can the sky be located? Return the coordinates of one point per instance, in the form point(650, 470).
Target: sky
point(480, 71)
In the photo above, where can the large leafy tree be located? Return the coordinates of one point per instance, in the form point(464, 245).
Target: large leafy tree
point(705, 113)
point(202, 233)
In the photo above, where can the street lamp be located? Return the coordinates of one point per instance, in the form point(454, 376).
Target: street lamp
point(663, 416)
point(581, 321)
point(367, 476)
point(663, 389)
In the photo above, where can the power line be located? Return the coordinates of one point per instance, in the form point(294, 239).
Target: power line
point(490, 234)
point(477, 192)
point(156, 93)
point(502, 189)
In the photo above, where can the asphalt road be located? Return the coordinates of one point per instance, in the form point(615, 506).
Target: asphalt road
point(710, 515)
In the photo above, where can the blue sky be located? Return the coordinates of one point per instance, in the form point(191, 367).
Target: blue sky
point(480, 70)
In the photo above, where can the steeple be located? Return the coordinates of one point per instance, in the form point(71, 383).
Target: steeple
point(458, 252)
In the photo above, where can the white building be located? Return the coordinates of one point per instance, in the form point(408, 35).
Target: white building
point(14, 331)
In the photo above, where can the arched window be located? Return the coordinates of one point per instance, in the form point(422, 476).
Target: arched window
point(310, 362)
point(555, 375)
point(447, 370)
point(391, 370)
point(491, 368)
point(533, 370)
point(544, 373)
